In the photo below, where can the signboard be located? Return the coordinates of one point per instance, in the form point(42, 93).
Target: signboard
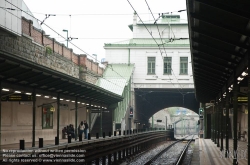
point(17, 97)
point(241, 99)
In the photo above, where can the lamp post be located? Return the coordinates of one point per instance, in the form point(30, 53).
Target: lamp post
point(67, 36)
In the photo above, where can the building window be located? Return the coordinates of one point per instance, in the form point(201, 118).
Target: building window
point(183, 65)
point(151, 65)
point(47, 116)
point(167, 65)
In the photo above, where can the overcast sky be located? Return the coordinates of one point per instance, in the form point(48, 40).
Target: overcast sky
point(95, 22)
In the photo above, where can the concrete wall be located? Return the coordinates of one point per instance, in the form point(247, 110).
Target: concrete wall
point(17, 120)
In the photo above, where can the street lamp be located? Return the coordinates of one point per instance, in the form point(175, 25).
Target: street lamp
point(67, 36)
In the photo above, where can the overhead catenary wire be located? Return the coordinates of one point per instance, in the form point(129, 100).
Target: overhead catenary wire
point(162, 41)
point(62, 37)
point(151, 35)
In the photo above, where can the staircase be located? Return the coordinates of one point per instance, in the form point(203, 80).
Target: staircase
point(106, 125)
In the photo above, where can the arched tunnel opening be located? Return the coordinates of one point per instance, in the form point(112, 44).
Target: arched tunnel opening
point(151, 100)
point(183, 121)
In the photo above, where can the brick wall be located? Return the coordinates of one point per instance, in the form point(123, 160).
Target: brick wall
point(32, 46)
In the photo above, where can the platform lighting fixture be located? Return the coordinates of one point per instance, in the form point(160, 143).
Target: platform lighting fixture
point(53, 98)
point(4, 89)
point(87, 104)
point(61, 99)
point(67, 100)
point(79, 102)
point(17, 92)
point(38, 95)
point(72, 101)
point(46, 96)
point(83, 103)
point(67, 36)
point(92, 105)
point(240, 78)
point(244, 73)
point(28, 93)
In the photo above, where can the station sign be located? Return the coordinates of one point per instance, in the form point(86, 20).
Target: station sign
point(17, 97)
point(241, 99)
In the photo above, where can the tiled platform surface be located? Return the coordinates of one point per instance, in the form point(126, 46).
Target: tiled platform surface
point(206, 152)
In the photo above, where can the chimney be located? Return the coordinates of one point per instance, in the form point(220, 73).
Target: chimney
point(134, 18)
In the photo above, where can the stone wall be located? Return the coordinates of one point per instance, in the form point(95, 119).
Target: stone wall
point(35, 46)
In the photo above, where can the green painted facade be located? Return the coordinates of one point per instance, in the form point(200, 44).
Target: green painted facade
point(117, 78)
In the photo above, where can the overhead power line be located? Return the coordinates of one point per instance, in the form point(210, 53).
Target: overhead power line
point(62, 36)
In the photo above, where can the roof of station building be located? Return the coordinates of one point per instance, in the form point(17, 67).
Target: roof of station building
point(150, 42)
point(116, 77)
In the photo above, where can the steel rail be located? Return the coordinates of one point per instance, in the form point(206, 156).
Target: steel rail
point(183, 153)
point(161, 152)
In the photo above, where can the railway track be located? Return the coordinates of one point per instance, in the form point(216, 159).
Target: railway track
point(173, 153)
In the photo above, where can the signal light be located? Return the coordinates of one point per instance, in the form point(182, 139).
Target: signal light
point(131, 112)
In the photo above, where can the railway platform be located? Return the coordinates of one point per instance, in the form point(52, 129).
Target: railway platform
point(206, 152)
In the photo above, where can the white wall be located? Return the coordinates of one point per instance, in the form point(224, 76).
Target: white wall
point(17, 121)
point(138, 56)
point(166, 31)
point(11, 19)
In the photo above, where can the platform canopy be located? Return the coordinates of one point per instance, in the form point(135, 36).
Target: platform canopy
point(219, 33)
point(18, 73)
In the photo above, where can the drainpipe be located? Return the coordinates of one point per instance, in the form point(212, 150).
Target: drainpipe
point(129, 56)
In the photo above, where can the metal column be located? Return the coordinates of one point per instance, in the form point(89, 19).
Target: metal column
point(34, 117)
point(218, 123)
point(58, 116)
point(90, 113)
point(100, 121)
point(212, 126)
point(235, 116)
point(222, 123)
point(248, 114)
point(227, 123)
point(0, 115)
point(76, 124)
point(215, 122)
point(204, 120)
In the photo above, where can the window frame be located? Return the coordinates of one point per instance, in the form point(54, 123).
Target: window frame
point(168, 70)
point(48, 115)
point(152, 67)
point(181, 66)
